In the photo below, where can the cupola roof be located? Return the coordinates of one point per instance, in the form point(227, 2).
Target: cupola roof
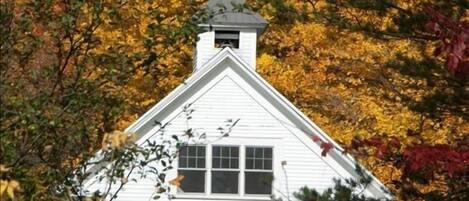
point(234, 13)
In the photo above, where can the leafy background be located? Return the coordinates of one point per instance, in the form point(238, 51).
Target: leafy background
point(366, 71)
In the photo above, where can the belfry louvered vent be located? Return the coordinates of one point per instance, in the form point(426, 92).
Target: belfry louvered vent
point(227, 39)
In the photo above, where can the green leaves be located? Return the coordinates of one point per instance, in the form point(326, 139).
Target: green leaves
point(342, 191)
point(70, 73)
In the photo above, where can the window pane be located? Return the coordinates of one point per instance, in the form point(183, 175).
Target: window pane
point(249, 152)
point(182, 162)
point(192, 151)
point(225, 151)
point(258, 164)
point(267, 164)
point(249, 164)
point(183, 152)
point(201, 162)
point(234, 163)
point(225, 163)
point(192, 162)
point(258, 153)
point(194, 181)
point(234, 152)
point(224, 182)
point(216, 151)
point(228, 157)
point(261, 158)
point(258, 183)
point(190, 155)
point(268, 153)
point(201, 151)
point(216, 163)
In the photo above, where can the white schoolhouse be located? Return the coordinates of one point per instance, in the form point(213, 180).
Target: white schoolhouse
point(271, 139)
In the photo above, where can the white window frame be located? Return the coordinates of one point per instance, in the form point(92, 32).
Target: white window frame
point(242, 143)
point(258, 170)
point(211, 169)
point(197, 169)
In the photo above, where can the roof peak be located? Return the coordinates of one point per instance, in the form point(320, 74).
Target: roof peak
point(233, 13)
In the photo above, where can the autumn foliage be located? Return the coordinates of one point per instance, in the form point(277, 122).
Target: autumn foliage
point(386, 79)
point(75, 73)
point(454, 37)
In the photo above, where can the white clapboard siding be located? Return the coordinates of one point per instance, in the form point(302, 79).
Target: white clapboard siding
point(205, 48)
point(228, 96)
point(247, 46)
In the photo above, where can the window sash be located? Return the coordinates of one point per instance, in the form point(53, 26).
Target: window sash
point(224, 187)
point(258, 161)
point(262, 181)
point(220, 159)
point(257, 158)
point(241, 171)
point(197, 172)
point(196, 176)
point(192, 156)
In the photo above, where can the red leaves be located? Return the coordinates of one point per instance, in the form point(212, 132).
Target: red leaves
point(325, 146)
point(421, 161)
point(38, 30)
point(454, 37)
point(59, 7)
point(429, 160)
point(383, 148)
point(316, 138)
point(394, 142)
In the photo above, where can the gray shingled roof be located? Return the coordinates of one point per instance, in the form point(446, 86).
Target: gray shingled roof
point(231, 12)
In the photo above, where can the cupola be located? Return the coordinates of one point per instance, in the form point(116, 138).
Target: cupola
point(230, 25)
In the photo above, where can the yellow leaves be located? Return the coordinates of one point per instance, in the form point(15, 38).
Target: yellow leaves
point(148, 102)
point(267, 64)
point(126, 120)
point(388, 173)
point(177, 181)
point(309, 62)
point(4, 168)
point(267, 12)
point(116, 140)
point(392, 121)
point(9, 187)
point(280, 75)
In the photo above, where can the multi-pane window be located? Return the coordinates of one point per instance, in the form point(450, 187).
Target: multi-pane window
point(225, 169)
point(192, 167)
point(258, 173)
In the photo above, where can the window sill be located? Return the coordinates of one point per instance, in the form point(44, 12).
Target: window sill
point(223, 197)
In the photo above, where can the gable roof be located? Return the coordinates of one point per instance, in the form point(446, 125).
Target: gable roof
point(176, 98)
